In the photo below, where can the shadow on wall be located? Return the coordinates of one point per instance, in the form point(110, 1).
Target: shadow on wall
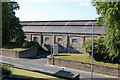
point(47, 48)
point(42, 50)
point(61, 49)
point(73, 50)
point(70, 49)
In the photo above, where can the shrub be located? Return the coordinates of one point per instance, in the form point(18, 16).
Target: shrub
point(99, 48)
point(28, 44)
point(6, 70)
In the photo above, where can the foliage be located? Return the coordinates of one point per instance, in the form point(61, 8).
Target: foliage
point(11, 28)
point(11, 46)
point(28, 44)
point(6, 70)
point(99, 48)
point(110, 16)
point(25, 74)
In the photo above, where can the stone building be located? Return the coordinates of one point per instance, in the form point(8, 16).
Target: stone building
point(68, 34)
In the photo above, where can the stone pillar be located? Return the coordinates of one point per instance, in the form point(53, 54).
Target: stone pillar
point(54, 39)
point(68, 41)
point(41, 39)
point(30, 37)
point(83, 39)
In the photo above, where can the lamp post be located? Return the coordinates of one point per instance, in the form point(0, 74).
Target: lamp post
point(92, 49)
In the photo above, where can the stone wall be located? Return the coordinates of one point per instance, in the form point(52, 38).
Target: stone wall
point(30, 52)
point(9, 53)
point(67, 41)
point(83, 66)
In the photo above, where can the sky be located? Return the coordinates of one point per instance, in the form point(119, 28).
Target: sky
point(44, 10)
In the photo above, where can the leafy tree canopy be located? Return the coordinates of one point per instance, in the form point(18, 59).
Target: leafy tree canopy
point(110, 17)
point(11, 28)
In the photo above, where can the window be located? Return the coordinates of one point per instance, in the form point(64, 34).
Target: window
point(25, 37)
point(74, 41)
point(47, 39)
point(36, 39)
point(60, 40)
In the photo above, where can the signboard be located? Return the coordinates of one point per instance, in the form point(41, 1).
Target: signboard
point(55, 49)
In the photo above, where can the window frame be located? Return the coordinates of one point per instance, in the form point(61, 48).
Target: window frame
point(35, 39)
point(74, 42)
point(60, 40)
point(47, 39)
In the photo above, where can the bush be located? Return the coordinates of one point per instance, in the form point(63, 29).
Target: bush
point(28, 44)
point(99, 48)
point(6, 70)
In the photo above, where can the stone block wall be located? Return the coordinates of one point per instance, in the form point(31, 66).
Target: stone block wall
point(30, 52)
point(67, 41)
point(9, 53)
point(83, 66)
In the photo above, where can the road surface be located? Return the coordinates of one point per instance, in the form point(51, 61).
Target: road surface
point(40, 64)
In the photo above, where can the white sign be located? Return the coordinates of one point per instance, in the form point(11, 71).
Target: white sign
point(55, 49)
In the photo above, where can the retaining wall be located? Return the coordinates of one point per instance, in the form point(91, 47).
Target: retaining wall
point(9, 53)
point(83, 66)
point(30, 52)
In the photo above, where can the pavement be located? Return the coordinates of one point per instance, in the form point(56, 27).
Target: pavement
point(39, 63)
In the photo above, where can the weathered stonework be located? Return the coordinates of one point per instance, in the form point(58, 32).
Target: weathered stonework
point(67, 41)
point(72, 33)
point(83, 66)
point(9, 53)
point(30, 52)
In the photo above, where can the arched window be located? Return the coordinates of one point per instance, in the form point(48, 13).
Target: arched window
point(60, 39)
point(36, 39)
point(74, 41)
point(47, 39)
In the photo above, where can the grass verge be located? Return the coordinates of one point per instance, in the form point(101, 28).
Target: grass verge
point(32, 75)
point(85, 58)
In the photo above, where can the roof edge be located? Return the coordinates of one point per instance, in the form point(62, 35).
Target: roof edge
point(59, 21)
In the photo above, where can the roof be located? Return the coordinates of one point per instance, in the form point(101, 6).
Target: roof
point(59, 23)
point(66, 26)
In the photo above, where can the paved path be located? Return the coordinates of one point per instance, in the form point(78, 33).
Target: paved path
point(39, 64)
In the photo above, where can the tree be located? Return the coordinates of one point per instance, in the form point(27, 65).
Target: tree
point(11, 28)
point(110, 17)
point(99, 48)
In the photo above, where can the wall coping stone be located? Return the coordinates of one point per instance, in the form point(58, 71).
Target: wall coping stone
point(86, 63)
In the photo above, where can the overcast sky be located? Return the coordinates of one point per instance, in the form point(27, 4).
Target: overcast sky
point(37, 10)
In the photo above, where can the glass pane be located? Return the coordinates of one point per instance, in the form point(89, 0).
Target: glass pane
point(47, 39)
point(74, 41)
point(60, 40)
point(36, 39)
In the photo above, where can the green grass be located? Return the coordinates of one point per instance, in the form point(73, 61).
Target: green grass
point(19, 49)
point(32, 75)
point(84, 58)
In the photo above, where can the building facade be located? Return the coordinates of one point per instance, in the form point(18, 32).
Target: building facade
point(69, 35)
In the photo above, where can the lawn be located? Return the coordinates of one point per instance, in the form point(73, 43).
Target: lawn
point(84, 58)
point(32, 75)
